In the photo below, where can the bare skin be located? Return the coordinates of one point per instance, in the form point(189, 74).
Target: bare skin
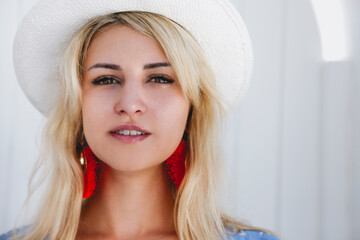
point(135, 199)
point(145, 212)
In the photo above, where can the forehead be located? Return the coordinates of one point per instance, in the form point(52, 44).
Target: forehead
point(123, 43)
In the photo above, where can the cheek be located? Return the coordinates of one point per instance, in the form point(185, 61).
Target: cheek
point(178, 115)
point(95, 110)
point(172, 112)
point(96, 102)
point(170, 121)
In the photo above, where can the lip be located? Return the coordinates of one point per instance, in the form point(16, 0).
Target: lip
point(129, 127)
point(129, 138)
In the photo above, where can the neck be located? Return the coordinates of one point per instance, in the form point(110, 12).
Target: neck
point(130, 204)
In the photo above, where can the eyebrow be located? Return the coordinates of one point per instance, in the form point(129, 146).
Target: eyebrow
point(117, 67)
point(156, 65)
point(105, 65)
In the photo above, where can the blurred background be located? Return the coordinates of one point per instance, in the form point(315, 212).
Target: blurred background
point(291, 147)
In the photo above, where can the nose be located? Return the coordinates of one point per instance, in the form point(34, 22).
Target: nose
point(130, 100)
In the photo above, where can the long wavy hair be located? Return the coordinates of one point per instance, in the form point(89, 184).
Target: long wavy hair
point(197, 213)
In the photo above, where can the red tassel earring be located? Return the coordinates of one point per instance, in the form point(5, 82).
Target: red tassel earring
point(91, 176)
point(175, 164)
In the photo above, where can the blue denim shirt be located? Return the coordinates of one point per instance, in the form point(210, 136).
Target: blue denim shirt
point(251, 235)
point(243, 235)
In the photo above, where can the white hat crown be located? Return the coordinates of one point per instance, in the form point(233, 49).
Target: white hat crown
point(46, 30)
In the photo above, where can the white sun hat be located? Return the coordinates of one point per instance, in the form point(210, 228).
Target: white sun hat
point(48, 27)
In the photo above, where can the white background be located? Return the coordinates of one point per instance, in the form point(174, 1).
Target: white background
point(292, 146)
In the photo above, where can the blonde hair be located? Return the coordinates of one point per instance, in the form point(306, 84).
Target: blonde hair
point(197, 214)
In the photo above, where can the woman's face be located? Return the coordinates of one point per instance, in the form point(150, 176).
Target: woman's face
point(134, 112)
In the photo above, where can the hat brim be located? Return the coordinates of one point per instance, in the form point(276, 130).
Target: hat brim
point(47, 29)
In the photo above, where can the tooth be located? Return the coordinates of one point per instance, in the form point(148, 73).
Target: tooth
point(129, 132)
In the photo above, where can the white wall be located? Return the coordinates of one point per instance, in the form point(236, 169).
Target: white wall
point(354, 209)
point(20, 122)
point(292, 145)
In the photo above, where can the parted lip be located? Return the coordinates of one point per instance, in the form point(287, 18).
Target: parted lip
point(129, 127)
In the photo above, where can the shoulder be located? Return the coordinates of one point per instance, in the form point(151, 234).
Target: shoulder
point(9, 234)
point(252, 235)
point(6, 235)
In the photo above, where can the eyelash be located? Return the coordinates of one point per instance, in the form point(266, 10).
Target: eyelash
point(157, 79)
point(101, 80)
point(161, 79)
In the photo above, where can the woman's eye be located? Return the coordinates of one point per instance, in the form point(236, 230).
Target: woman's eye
point(161, 79)
point(105, 81)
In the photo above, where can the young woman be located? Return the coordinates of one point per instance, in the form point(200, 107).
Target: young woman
point(134, 92)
